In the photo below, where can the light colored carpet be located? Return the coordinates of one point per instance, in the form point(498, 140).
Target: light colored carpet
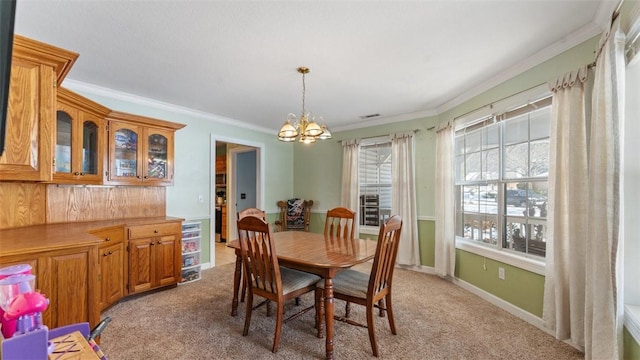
point(435, 320)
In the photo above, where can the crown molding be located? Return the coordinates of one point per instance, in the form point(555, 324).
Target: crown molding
point(383, 120)
point(581, 35)
point(85, 88)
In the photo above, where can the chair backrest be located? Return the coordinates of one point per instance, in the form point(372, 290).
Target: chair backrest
point(339, 223)
point(252, 212)
point(294, 214)
point(259, 255)
point(386, 252)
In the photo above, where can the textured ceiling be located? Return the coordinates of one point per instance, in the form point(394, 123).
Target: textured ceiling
point(238, 59)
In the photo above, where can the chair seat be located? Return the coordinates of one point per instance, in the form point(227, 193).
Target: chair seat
point(349, 282)
point(294, 279)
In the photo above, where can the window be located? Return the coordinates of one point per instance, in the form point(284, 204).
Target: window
point(501, 172)
point(375, 181)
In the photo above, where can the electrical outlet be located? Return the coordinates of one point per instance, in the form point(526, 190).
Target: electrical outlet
point(200, 199)
point(501, 273)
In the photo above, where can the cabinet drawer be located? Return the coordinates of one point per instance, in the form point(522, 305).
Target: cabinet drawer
point(109, 236)
point(154, 230)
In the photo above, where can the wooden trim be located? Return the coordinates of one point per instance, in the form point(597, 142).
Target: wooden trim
point(60, 59)
point(143, 120)
point(81, 102)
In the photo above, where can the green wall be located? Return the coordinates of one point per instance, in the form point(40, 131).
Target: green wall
point(631, 346)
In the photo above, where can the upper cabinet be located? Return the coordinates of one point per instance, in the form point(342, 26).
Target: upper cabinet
point(140, 150)
point(55, 135)
point(80, 141)
point(36, 71)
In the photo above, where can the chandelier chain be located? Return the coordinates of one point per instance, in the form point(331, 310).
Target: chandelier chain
point(304, 90)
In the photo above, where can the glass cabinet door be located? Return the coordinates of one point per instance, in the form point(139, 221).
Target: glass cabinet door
point(126, 153)
point(157, 156)
point(90, 150)
point(64, 134)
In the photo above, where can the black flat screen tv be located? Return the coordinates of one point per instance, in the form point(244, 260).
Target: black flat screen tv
point(7, 19)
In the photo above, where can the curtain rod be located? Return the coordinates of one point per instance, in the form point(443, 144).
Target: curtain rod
point(376, 136)
point(614, 16)
point(495, 101)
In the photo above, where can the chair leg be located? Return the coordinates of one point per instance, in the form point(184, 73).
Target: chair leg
point(372, 331)
point(268, 305)
point(347, 310)
point(381, 307)
point(279, 320)
point(247, 314)
point(244, 287)
point(392, 323)
point(319, 312)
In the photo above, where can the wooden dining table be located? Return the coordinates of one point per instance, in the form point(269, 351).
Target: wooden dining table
point(317, 254)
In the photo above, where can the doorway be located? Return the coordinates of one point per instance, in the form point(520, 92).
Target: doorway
point(243, 185)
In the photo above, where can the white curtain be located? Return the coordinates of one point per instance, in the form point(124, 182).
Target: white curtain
point(563, 307)
point(350, 181)
point(445, 249)
point(583, 220)
point(601, 293)
point(403, 196)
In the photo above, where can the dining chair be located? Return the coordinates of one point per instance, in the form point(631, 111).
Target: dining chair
point(339, 223)
point(371, 290)
point(294, 215)
point(265, 277)
point(252, 211)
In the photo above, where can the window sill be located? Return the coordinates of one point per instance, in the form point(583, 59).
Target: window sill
point(525, 263)
point(632, 320)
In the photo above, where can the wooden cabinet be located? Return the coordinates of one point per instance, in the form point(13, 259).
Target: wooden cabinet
point(112, 265)
point(154, 256)
point(36, 69)
point(140, 150)
point(221, 164)
point(80, 141)
point(67, 278)
point(223, 231)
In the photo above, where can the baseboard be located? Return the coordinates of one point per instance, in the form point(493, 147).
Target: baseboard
point(504, 305)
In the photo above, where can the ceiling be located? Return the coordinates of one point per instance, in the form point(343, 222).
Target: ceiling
point(237, 60)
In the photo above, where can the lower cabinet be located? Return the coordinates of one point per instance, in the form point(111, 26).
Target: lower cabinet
point(66, 277)
point(112, 265)
point(154, 256)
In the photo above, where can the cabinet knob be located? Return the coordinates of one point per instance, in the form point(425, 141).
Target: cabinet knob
point(159, 242)
point(107, 239)
point(81, 174)
point(155, 231)
point(146, 177)
point(152, 243)
point(138, 176)
point(105, 254)
point(76, 173)
point(110, 252)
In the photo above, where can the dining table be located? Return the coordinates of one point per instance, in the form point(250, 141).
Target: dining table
point(314, 253)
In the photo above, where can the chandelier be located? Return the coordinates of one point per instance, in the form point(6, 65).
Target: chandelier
point(306, 126)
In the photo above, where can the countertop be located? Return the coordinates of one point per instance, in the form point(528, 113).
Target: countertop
point(46, 237)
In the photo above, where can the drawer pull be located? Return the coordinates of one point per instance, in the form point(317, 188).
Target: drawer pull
point(107, 239)
point(155, 231)
point(159, 242)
